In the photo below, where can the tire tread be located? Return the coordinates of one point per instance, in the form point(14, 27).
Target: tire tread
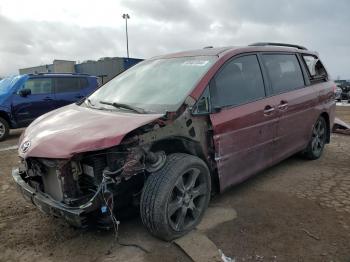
point(153, 188)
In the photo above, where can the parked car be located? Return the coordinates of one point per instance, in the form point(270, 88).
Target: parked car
point(23, 98)
point(338, 94)
point(172, 130)
point(345, 95)
point(345, 87)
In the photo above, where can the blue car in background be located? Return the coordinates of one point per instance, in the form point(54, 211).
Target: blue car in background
point(23, 98)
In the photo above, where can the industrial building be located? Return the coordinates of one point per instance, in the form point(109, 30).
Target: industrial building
point(105, 68)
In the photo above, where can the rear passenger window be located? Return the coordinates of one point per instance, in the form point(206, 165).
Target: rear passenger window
point(238, 82)
point(284, 72)
point(67, 84)
point(314, 66)
point(39, 85)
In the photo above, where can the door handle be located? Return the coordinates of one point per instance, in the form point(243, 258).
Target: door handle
point(283, 105)
point(48, 99)
point(268, 110)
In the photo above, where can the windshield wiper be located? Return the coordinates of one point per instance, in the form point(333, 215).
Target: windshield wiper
point(89, 104)
point(125, 106)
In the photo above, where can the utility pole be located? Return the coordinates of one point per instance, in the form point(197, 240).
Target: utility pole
point(126, 17)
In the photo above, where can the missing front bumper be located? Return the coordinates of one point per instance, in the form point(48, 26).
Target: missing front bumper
point(76, 216)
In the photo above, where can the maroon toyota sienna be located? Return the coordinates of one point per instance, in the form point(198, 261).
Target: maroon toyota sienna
point(165, 134)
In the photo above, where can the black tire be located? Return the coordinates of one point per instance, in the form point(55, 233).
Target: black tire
point(164, 201)
point(4, 129)
point(318, 140)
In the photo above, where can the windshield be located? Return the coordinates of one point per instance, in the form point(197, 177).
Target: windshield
point(157, 85)
point(7, 83)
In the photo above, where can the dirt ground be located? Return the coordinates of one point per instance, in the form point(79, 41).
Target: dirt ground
point(296, 211)
point(343, 112)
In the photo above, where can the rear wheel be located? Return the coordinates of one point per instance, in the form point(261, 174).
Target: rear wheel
point(175, 197)
point(4, 129)
point(318, 140)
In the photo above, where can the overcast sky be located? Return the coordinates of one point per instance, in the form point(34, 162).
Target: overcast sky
point(36, 32)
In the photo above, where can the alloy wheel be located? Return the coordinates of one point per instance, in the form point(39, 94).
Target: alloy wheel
point(188, 199)
point(318, 137)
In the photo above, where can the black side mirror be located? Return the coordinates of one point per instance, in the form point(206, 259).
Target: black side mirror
point(25, 92)
point(202, 105)
point(217, 109)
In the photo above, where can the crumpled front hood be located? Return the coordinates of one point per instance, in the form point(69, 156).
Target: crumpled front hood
point(74, 129)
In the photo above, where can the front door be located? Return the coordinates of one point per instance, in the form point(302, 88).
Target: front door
point(40, 101)
point(245, 122)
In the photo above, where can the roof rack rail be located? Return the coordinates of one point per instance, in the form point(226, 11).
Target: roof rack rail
point(278, 44)
point(55, 73)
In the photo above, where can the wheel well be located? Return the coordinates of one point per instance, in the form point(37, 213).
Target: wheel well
point(326, 117)
point(179, 145)
point(5, 116)
point(187, 146)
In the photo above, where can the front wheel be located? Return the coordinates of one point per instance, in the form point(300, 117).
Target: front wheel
point(4, 129)
point(318, 140)
point(175, 197)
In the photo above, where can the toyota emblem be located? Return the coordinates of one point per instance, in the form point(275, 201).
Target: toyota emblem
point(25, 146)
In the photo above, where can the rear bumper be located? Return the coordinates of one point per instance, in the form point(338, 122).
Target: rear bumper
point(75, 216)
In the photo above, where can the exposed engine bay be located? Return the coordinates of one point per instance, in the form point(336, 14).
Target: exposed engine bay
point(97, 178)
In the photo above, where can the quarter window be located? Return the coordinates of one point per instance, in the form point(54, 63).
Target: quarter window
point(284, 72)
point(39, 85)
point(238, 82)
point(67, 84)
point(314, 66)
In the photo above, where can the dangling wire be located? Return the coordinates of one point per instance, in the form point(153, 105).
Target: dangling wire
point(110, 205)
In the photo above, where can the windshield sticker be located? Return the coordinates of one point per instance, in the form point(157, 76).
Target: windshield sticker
point(195, 63)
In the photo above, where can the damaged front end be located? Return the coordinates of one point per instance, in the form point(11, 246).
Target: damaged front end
point(89, 186)
point(88, 181)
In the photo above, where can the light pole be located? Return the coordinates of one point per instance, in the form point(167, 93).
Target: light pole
point(126, 17)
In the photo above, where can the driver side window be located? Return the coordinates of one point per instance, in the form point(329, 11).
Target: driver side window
point(39, 85)
point(238, 82)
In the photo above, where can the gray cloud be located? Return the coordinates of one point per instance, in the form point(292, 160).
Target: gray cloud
point(170, 26)
point(169, 11)
point(31, 43)
point(282, 11)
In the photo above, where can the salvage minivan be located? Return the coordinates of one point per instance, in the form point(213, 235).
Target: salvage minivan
point(169, 132)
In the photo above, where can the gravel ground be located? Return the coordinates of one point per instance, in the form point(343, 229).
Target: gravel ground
point(296, 211)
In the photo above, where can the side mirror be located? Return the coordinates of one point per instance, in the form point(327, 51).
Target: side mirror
point(217, 109)
point(202, 105)
point(25, 92)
